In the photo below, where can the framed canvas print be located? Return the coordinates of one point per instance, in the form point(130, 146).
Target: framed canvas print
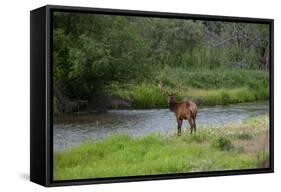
point(123, 95)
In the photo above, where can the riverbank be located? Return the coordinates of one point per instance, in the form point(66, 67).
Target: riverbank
point(234, 146)
point(145, 96)
point(205, 87)
point(220, 86)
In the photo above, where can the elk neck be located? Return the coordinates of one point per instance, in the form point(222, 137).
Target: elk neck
point(172, 105)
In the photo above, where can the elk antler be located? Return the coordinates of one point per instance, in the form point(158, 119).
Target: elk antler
point(178, 89)
point(161, 86)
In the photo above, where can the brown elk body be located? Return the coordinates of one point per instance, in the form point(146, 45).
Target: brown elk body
point(184, 110)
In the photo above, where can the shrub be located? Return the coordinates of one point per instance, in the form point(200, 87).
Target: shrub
point(222, 143)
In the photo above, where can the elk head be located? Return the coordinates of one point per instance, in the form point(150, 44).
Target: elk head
point(171, 96)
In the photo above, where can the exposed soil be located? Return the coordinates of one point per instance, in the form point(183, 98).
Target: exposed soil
point(254, 145)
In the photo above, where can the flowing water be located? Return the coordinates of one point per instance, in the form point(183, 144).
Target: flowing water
point(73, 130)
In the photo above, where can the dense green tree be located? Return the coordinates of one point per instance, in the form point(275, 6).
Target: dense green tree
point(93, 50)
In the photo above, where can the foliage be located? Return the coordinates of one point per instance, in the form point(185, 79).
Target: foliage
point(222, 143)
point(219, 87)
point(93, 51)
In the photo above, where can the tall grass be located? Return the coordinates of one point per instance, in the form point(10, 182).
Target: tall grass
point(212, 79)
point(145, 96)
point(215, 87)
point(210, 149)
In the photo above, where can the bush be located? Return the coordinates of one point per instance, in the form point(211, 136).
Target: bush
point(222, 143)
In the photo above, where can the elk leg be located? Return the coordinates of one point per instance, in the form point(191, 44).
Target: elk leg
point(194, 125)
point(179, 126)
point(191, 125)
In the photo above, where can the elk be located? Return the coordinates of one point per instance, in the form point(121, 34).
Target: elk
point(183, 110)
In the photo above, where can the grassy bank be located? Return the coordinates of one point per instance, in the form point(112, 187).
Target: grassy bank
point(242, 146)
point(146, 96)
point(215, 87)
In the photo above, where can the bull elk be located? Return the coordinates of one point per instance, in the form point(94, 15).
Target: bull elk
point(183, 110)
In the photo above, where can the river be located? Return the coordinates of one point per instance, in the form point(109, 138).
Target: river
point(72, 130)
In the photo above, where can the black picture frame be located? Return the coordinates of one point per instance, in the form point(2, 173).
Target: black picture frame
point(41, 139)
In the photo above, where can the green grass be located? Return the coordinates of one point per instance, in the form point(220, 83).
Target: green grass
point(212, 87)
point(225, 96)
point(213, 79)
point(210, 149)
point(146, 96)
